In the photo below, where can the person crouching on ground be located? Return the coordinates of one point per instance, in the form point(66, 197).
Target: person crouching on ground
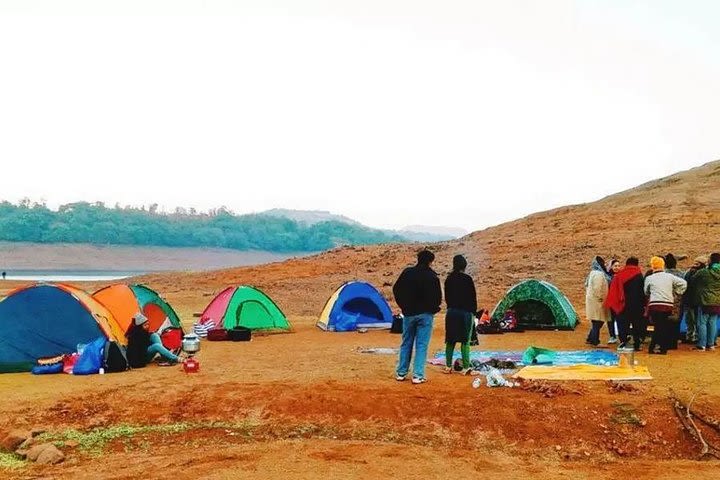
point(417, 293)
point(626, 297)
point(596, 289)
point(707, 283)
point(461, 300)
point(143, 346)
point(661, 288)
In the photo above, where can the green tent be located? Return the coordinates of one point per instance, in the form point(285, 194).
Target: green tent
point(537, 305)
point(244, 306)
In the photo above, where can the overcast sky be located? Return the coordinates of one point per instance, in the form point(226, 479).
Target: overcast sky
point(458, 113)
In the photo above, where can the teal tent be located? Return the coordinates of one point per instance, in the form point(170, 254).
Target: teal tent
point(538, 305)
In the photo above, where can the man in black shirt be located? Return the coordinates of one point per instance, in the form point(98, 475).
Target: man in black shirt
point(417, 293)
point(461, 300)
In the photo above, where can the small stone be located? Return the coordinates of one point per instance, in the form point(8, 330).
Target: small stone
point(36, 450)
point(558, 447)
point(13, 440)
point(72, 443)
point(26, 444)
point(50, 456)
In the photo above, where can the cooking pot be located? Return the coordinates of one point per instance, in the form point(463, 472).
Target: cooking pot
point(191, 343)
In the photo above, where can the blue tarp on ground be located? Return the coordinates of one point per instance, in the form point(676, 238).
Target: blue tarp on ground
point(571, 357)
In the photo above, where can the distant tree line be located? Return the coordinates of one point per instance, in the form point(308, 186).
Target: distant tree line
point(94, 223)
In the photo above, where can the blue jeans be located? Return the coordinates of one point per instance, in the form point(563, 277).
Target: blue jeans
point(416, 330)
point(157, 348)
point(707, 329)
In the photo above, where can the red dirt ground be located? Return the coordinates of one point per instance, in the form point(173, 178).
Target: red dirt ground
point(308, 405)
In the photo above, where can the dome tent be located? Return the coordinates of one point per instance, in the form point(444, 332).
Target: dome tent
point(124, 301)
point(355, 305)
point(538, 305)
point(46, 320)
point(244, 306)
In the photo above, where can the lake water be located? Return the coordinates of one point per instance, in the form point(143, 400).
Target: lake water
point(68, 275)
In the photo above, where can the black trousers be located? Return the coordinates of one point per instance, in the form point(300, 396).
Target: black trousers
point(662, 333)
point(624, 322)
point(639, 329)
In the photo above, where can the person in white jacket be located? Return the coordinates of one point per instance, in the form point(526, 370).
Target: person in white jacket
point(596, 289)
point(661, 288)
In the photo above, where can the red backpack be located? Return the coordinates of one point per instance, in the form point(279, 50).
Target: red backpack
point(171, 338)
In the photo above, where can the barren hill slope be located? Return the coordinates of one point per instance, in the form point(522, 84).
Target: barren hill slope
point(679, 214)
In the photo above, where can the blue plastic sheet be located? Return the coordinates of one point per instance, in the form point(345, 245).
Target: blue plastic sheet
point(567, 357)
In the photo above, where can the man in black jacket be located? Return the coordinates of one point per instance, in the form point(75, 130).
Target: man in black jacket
point(417, 293)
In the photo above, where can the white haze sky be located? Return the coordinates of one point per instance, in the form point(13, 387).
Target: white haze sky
point(458, 113)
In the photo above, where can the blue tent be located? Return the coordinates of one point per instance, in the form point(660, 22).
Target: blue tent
point(48, 320)
point(355, 305)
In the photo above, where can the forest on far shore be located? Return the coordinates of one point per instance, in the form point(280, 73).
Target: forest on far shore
point(95, 223)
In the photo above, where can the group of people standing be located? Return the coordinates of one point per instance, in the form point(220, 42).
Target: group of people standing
point(417, 293)
point(621, 297)
point(627, 300)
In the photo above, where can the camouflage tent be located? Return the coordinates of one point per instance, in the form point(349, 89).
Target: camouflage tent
point(537, 305)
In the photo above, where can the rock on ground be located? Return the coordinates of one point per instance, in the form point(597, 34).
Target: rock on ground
point(13, 440)
point(45, 454)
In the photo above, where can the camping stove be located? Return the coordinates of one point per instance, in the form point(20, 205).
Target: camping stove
point(191, 346)
point(191, 365)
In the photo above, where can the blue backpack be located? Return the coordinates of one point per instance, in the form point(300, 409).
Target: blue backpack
point(91, 359)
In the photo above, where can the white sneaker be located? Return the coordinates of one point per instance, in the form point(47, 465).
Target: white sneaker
point(401, 378)
point(418, 380)
point(612, 340)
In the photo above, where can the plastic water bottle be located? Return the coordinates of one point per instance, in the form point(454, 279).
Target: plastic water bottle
point(102, 371)
point(476, 382)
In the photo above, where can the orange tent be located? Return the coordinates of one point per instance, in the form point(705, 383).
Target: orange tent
point(124, 301)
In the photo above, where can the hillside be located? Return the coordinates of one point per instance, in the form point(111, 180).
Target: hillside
point(679, 214)
point(309, 217)
point(413, 233)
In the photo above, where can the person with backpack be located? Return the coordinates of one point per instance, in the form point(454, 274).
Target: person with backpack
point(143, 346)
point(461, 300)
point(661, 288)
point(707, 283)
point(417, 293)
point(596, 289)
point(626, 298)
